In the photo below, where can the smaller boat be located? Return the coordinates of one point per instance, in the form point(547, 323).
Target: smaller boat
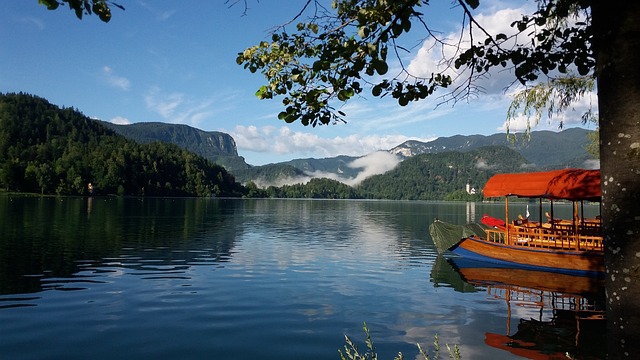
point(567, 246)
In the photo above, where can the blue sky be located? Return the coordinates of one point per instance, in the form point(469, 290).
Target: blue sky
point(174, 61)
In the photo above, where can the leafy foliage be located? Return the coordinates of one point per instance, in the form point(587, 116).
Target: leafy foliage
point(554, 97)
point(335, 53)
point(101, 8)
point(351, 351)
point(329, 56)
point(49, 150)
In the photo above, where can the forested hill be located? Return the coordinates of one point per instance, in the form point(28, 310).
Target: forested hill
point(216, 146)
point(443, 176)
point(52, 150)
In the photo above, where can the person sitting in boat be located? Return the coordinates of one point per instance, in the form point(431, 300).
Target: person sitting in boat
point(521, 220)
point(557, 221)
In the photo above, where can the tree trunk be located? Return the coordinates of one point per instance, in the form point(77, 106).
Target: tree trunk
point(617, 49)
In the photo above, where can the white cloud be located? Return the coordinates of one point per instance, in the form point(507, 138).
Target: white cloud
point(592, 164)
point(159, 15)
point(114, 80)
point(119, 120)
point(37, 23)
point(251, 138)
point(373, 164)
point(430, 57)
point(482, 164)
point(283, 140)
point(378, 162)
point(385, 114)
point(165, 15)
point(163, 104)
point(177, 108)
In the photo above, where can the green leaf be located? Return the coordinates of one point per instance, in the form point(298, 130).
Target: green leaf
point(396, 29)
point(263, 93)
point(50, 4)
point(381, 67)
point(473, 3)
point(377, 90)
point(346, 94)
point(102, 10)
point(406, 25)
point(291, 118)
point(363, 32)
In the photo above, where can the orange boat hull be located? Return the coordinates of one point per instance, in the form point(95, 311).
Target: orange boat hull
point(569, 261)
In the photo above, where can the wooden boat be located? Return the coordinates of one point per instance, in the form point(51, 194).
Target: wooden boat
point(568, 246)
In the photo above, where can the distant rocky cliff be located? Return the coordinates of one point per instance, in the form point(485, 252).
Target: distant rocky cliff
point(216, 146)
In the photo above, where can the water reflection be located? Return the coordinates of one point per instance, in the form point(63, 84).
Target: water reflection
point(187, 278)
point(62, 243)
point(555, 315)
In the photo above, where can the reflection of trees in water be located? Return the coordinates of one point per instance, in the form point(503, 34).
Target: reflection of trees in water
point(51, 237)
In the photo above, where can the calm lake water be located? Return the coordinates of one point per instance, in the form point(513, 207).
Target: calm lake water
point(125, 278)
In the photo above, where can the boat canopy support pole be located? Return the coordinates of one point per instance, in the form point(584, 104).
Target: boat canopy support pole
point(540, 211)
point(553, 223)
point(576, 219)
point(506, 219)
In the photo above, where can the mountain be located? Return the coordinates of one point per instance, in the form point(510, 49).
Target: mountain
point(216, 146)
point(336, 165)
point(51, 150)
point(545, 149)
point(443, 176)
point(271, 175)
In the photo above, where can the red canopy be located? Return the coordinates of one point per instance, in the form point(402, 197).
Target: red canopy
point(570, 184)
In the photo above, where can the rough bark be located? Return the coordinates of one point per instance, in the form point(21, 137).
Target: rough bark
point(617, 48)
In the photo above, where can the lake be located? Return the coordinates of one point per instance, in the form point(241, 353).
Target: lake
point(133, 278)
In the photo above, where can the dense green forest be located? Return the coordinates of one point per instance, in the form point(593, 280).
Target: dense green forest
point(317, 188)
point(50, 150)
point(442, 176)
point(270, 173)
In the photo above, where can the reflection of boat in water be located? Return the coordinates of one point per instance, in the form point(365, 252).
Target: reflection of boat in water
point(569, 246)
point(481, 273)
point(570, 309)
